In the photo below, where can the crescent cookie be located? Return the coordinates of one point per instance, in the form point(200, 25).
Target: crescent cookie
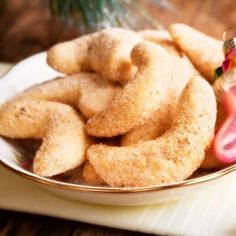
point(170, 158)
point(72, 56)
point(41, 112)
point(140, 97)
point(109, 54)
point(80, 91)
point(182, 70)
point(60, 127)
point(205, 52)
point(106, 52)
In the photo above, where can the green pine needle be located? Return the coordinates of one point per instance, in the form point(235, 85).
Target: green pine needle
point(92, 15)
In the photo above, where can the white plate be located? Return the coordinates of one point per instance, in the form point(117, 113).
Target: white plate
point(35, 70)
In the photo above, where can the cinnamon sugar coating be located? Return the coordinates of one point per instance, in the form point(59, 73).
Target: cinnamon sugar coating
point(140, 97)
point(170, 158)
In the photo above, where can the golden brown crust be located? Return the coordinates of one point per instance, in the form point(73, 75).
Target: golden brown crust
point(71, 57)
point(109, 54)
point(106, 52)
point(64, 144)
point(144, 108)
point(90, 176)
point(60, 127)
point(95, 95)
point(81, 91)
point(39, 113)
point(182, 70)
point(140, 97)
point(154, 127)
point(205, 52)
point(169, 158)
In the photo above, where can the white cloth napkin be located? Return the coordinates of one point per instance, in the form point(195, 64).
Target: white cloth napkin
point(211, 212)
point(207, 213)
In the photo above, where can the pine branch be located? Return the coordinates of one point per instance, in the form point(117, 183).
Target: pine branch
point(91, 15)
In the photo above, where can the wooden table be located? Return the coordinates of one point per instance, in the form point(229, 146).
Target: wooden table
point(210, 16)
point(20, 224)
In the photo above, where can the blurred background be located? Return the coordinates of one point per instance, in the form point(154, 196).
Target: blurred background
point(31, 26)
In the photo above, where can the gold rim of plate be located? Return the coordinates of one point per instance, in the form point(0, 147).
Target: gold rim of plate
point(101, 189)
